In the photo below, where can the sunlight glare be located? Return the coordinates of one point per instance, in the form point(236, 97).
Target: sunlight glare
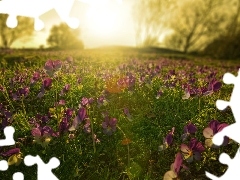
point(103, 17)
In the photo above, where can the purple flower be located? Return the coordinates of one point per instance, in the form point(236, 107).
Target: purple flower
point(65, 89)
point(22, 92)
point(52, 66)
point(68, 112)
point(190, 128)
point(35, 77)
point(213, 86)
point(84, 101)
point(193, 150)
point(7, 118)
point(15, 156)
point(11, 152)
point(47, 82)
point(82, 114)
point(109, 125)
point(102, 101)
point(213, 128)
point(176, 166)
point(64, 125)
point(126, 112)
point(86, 126)
point(167, 141)
point(43, 135)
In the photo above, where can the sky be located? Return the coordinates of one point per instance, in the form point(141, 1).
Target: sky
point(101, 24)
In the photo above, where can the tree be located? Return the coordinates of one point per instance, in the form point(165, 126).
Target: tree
point(150, 17)
point(227, 45)
point(196, 23)
point(63, 37)
point(8, 36)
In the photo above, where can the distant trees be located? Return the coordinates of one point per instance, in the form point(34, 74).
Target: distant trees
point(227, 44)
point(196, 23)
point(150, 17)
point(190, 25)
point(63, 37)
point(8, 36)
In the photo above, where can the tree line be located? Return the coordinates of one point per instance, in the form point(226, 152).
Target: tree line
point(210, 27)
point(60, 37)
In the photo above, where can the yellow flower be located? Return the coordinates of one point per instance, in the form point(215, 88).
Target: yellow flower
point(15, 159)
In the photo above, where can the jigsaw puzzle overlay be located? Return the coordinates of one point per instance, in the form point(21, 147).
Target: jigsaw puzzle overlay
point(230, 131)
point(35, 8)
point(44, 170)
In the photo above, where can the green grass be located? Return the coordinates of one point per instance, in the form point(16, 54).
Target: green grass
point(151, 118)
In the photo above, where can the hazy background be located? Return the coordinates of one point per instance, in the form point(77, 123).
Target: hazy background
point(110, 24)
point(206, 27)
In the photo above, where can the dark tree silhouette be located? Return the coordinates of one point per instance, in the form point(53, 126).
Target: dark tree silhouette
point(63, 37)
point(8, 36)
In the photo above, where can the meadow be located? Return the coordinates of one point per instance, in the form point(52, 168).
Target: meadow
point(114, 114)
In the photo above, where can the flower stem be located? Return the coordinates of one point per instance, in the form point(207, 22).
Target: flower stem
point(91, 123)
point(93, 139)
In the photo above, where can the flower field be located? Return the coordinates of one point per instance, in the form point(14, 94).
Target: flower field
point(114, 115)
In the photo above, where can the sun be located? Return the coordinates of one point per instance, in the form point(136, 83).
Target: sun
point(103, 19)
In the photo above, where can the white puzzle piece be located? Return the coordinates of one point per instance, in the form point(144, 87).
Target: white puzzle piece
point(231, 131)
point(44, 170)
point(35, 8)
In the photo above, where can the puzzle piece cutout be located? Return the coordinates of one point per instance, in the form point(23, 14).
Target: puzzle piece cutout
point(233, 167)
point(35, 8)
point(3, 165)
point(8, 141)
point(233, 103)
point(230, 131)
point(18, 176)
point(44, 170)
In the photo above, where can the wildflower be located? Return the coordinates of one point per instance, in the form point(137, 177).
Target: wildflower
point(71, 136)
point(172, 174)
point(35, 78)
point(51, 66)
point(86, 126)
point(61, 102)
point(102, 101)
point(126, 141)
point(43, 135)
point(190, 128)
point(64, 125)
point(193, 150)
point(159, 94)
point(22, 92)
point(85, 101)
point(186, 94)
point(7, 118)
point(47, 82)
point(15, 156)
point(115, 84)
point(214, 127)
point(213, 86)
point(68, 113)
point(126, 112)
point(109, 125)
point(82, 114)
point(96, 139)
point(167, 141)
point(65, 89)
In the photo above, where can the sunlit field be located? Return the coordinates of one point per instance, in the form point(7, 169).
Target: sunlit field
point(114, 114)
